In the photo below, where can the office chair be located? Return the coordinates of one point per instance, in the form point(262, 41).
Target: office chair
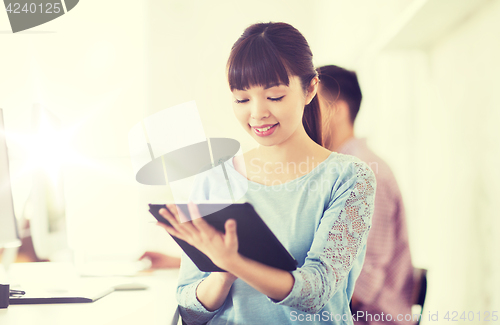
point(176, 319)
point(419, 289)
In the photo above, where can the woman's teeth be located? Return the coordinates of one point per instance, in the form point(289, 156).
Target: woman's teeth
point(264, 129)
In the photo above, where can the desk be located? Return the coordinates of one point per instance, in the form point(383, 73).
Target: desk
point(155, 305)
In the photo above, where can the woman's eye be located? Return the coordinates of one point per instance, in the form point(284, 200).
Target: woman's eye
point(276, 99)
point(237, 101)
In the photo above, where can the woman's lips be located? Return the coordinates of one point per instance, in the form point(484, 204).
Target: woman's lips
point(264, 130)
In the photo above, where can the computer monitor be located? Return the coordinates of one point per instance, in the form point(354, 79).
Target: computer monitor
point(9, 234)
point(47, 204)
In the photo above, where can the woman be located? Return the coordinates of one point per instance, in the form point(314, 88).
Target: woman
point(318, 203)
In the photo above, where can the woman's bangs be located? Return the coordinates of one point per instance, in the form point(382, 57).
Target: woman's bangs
point(255, 63)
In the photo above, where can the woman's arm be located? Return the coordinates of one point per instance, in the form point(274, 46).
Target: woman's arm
point(213, 291)
point(274, 283)
point(191, 279)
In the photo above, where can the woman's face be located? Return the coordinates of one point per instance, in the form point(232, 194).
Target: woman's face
point(272, 114)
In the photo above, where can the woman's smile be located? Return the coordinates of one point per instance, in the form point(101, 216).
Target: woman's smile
point(265, 130)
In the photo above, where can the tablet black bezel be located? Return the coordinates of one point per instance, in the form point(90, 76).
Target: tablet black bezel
point(255, 240)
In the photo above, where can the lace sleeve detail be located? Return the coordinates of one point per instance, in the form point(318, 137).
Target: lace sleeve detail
point(191, 309)
point(338, 241)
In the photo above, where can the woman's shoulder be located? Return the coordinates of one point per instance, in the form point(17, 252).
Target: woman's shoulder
point(337, 158)
point(347, 167)
point(240, 162)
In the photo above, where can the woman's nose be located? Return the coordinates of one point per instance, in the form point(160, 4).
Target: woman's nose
point(259, 110)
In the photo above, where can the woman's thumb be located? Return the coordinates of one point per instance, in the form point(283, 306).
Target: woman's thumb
point(231, 236)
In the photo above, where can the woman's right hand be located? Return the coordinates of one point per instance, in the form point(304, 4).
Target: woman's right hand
point(220, 247)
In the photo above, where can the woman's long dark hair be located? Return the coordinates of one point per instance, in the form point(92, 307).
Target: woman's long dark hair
point(267, 54)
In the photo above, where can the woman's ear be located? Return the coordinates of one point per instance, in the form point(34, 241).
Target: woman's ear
point(312, 89)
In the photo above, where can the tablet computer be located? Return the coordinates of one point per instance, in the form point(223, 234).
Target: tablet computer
point(255, 240)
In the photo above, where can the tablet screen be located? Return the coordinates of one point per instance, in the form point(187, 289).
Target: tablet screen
point(255, 240)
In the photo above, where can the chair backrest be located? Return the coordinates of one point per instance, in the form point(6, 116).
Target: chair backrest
point(175, 318)
point(419, 286)
point(419, 289)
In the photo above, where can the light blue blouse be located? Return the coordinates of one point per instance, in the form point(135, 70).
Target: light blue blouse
point(322, 218)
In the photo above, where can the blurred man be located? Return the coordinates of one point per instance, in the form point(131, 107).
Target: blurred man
point(385, 284)
point(162, 261)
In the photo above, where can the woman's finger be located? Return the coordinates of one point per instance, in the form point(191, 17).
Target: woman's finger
point(194, 212)
point(205, 228)
point(165, 213)
point(186, 222)
point(169, 217)
point(200, 223)
point(186, 229)
point(174, 211)
point(180, 216)
point(171, 230)
point(231, 237)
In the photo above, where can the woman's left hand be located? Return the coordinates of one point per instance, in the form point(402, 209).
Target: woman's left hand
point(219, 247)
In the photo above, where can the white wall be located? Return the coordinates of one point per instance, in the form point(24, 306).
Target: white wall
point(432, 113)
point(465, 76)
point(344, 30)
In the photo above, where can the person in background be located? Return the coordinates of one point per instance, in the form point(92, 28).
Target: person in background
point(386, 280)
point(162, 261)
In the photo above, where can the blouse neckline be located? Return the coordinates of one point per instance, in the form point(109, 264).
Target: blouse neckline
point(291, 182)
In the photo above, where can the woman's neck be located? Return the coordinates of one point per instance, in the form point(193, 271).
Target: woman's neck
point(283, 162)
point(295, 149)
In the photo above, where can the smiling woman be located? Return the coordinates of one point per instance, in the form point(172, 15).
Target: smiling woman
point(324, 227)
point(262, 57)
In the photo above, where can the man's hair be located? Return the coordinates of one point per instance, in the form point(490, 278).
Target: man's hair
point(339, 83)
